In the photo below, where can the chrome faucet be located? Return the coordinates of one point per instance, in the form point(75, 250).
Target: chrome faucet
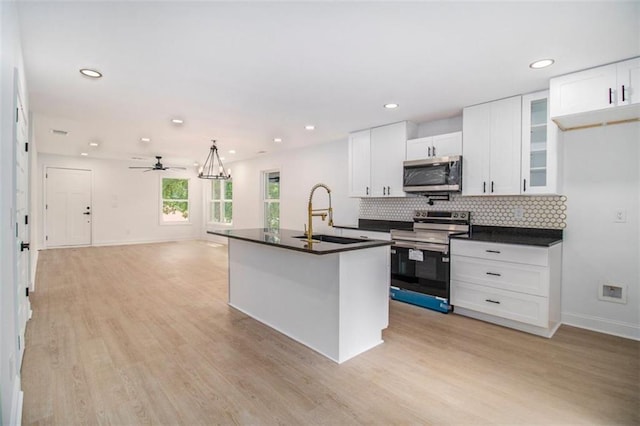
point(318, 212)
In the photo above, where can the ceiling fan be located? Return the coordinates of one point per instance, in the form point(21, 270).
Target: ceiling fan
point(158, 166)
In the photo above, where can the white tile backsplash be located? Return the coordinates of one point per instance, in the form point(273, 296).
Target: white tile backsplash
point(545, 211)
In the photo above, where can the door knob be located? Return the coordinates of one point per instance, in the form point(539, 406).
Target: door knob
point(24, 246)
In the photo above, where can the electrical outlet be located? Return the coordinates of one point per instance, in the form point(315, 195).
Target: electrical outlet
point(620, 216)
point(518, 213)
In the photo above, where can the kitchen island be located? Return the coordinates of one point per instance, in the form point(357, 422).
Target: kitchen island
point(332, 295)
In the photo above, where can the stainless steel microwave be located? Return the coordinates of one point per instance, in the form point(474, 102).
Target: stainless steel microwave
point(438, 174)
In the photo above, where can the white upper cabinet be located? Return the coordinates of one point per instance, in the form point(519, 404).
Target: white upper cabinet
point(606, 94)
point(434, 146)
point(539, 146)
point(492, 147)
point(629, 82)
point(360, 163)
point(375, 160)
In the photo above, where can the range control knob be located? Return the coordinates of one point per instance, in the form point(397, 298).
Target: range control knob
point(455, 215)
point(463, 215)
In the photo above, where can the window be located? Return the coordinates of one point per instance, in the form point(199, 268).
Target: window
point(175, 200)
point(272, 200)
point(221, 207)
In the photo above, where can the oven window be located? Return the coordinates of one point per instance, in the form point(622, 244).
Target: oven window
point(429, 276)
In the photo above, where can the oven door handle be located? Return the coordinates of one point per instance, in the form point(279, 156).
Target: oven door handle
point(422, 246)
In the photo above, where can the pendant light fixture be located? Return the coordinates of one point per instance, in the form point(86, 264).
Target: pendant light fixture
point(213, 167)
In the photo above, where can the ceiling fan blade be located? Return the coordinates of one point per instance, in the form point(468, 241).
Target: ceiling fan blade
point(140, 167)
point(177, 168)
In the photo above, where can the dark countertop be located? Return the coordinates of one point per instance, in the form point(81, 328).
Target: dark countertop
point(508, 235)
point(378, 225)
point(284, 238)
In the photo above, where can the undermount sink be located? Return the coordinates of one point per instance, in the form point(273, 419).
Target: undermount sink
point(332, 239)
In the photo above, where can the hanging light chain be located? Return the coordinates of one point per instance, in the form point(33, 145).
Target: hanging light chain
point(208, 170)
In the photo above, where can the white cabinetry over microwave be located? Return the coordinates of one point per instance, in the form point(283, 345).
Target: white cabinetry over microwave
point(375, 160)
point(446, 145)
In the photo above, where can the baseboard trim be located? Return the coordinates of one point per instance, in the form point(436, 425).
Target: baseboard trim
point(16, 406)
point(126, 243)
point(602, 325)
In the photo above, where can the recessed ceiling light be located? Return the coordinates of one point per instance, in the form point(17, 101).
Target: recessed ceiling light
point(90, 73)
point(59, 132)
point(84, 154)
point(277, 140)
point(177, 121)
point(309, 127)
point(145, 139)
point(195, 164)
point(232, 151)
point(93, 144)
point(391, 106)
point(542, 63)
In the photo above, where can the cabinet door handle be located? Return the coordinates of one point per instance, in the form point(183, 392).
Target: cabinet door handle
point(492, 301)
point(484, 187)
point(388, 190)
point(524, 186)
point(384, 190)
point(494, 274)
point(623, 93)
point(492, 187)
point(429, 152)
point(367, 190)
point(610, 96)
point(493, 251)
point(434, 151)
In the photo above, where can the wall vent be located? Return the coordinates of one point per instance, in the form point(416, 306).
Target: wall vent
point(613, 293)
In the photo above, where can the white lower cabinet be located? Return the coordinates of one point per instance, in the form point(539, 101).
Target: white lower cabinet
point(516, 286)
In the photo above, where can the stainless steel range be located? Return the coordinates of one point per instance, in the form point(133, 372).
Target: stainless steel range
point(420, 258)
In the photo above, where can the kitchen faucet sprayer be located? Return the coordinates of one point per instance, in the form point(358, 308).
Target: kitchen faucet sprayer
point(318, 212)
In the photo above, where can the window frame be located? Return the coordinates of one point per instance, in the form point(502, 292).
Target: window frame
point(265, 200)
point(222, 200)
point(161, 199)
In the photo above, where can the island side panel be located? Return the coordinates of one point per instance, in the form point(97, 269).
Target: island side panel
point(364, 299)
point(295, 293)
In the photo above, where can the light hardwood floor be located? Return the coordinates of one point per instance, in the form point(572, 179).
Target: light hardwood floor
point(142, 334)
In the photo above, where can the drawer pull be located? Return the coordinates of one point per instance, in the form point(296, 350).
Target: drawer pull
point(492, 301)
point(494, 274)
point(493, 251)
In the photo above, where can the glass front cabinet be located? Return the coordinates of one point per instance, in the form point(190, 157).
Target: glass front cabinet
point(539, 146)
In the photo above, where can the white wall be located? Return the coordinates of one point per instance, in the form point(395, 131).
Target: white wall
point(601, 174)
point(125, 202)
point(11, 67)
point(300, 169)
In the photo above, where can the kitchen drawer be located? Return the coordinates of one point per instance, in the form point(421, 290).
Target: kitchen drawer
point(520, 307)
point(517, 277)
point(357, 233)
point(529, 255)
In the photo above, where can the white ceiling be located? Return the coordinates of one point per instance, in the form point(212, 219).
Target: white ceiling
point(244, 73)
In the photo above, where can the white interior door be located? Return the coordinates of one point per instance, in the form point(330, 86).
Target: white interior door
point(68, 207)
point(23, 308)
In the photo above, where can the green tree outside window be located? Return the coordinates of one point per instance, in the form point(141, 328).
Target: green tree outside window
point(272, 200)
point(221, 207)
point(175, 200)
